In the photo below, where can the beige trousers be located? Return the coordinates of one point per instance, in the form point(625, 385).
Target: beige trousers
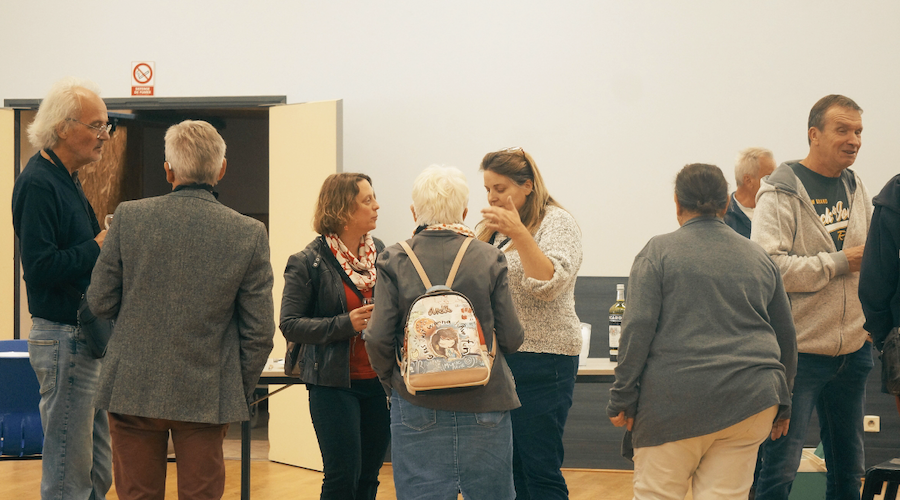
point(718, 466)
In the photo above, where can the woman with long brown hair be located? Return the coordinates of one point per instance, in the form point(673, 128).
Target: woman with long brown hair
point(542, 244)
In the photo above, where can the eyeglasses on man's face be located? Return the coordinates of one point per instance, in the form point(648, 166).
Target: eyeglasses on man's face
point(108, 127)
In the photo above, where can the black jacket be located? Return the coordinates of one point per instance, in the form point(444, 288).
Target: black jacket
point(879, 276)
point(737, 219)
point(314, 313)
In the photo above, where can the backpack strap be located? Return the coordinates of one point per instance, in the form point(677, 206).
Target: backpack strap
point(459, 256)
point(416, 264)
point(453, 269)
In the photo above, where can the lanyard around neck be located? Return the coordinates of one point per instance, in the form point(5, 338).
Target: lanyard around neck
point(56, 159)
point(504, 242)
point(76, 182)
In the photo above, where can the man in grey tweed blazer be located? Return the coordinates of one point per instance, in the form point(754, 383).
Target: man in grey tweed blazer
point(189, 284)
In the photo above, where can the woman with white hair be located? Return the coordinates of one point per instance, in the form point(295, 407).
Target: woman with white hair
point(449, 441)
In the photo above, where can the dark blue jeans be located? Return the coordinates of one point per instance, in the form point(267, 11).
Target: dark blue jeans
point(836, 388)
point(353, 429)
point(544, 383)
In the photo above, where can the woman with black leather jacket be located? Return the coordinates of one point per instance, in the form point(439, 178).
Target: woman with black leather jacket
point(326, 305)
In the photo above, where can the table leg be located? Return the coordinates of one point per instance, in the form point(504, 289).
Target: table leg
point(245, 460)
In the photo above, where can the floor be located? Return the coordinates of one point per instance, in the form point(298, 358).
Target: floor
point(21, 481)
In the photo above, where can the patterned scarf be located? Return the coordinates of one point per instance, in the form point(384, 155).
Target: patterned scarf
point(360, 267)
point(456, 228)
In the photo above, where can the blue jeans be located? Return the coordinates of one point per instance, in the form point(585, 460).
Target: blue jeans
point(77, 460)
point(438, 454)
point(836, 388)
point(353, 429)
point(544, 383)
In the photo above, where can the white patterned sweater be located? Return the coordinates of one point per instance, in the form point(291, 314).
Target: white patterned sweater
point(547, 308)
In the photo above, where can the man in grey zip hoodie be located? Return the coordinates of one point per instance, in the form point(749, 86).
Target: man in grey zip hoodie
point(812, 217)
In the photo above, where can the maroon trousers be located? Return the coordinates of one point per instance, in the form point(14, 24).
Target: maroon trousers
point(139, 457)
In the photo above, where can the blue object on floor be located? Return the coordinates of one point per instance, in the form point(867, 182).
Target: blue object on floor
point(20, 419)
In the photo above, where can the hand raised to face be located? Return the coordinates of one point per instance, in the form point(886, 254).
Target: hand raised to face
point(504, 218)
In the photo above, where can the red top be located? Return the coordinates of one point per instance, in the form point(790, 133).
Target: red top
point(360, 368)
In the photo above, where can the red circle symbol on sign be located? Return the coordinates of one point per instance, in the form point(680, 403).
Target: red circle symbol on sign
point(143, 73)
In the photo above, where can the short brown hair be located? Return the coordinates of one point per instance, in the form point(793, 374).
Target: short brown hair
point(337, 201)
point(817, 113)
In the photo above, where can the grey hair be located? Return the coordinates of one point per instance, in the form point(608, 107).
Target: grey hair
point(440, 195)
point(62, 102)
point(748, 163)
point(195, 150)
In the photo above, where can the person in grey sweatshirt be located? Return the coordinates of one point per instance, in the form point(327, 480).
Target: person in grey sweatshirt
point(707, 354)
point(812, 217)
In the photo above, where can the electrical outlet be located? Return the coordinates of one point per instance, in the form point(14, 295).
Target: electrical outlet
point(872, 423)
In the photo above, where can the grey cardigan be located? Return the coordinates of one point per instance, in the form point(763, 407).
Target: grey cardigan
point(482, 277)
point(707, 336)
point(190, 285)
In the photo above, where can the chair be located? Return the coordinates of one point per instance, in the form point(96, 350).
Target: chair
point(887, 473)
point(20, 419)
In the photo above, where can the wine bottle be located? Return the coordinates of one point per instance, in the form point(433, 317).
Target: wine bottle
point(615, 322)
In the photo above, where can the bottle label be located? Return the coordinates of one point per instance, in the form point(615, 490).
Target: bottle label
point(615, 331)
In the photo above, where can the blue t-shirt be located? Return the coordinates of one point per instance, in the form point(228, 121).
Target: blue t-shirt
point(829, 198)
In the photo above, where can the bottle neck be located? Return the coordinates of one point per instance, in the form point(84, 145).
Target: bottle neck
point(620, 295)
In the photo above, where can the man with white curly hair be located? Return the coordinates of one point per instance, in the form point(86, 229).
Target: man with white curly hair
point(59, 241)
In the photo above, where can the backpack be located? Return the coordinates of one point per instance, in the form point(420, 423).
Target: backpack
point(443, 344)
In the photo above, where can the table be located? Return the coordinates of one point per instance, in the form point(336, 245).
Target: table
point(597, 370)
point(594, 370)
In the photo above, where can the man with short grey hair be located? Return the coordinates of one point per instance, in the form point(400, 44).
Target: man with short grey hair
point(812, 217)
point(59, 241)
point(752, 165)
point(189, 283)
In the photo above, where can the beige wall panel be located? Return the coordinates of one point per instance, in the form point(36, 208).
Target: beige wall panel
point(7, 269)
point(26, 151)
point(304, 148)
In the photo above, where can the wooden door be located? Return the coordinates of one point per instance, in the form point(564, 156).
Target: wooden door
point(305, 147)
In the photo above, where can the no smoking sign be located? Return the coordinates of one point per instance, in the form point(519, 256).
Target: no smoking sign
point(143, 76)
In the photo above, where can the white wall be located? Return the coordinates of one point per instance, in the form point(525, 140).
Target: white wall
point(611, 98)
